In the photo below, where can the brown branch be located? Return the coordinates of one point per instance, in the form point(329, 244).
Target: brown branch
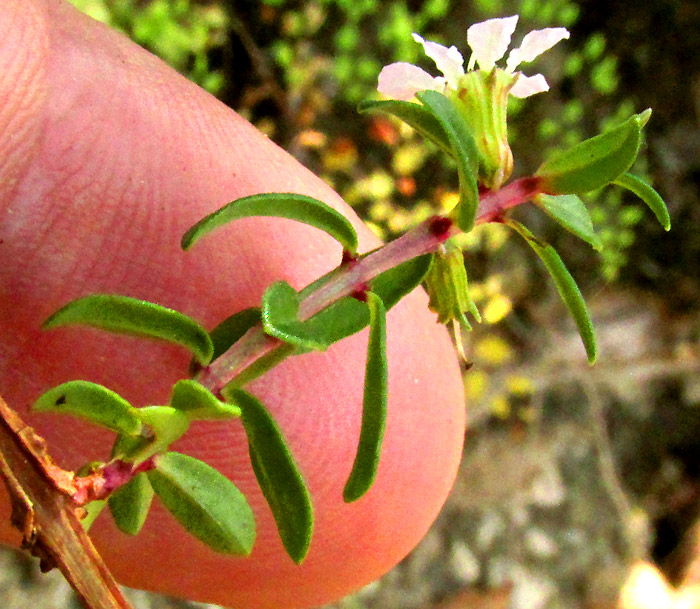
point(44, 511)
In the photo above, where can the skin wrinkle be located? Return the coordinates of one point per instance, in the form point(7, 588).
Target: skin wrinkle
point(120, 189)
point(21, 92)
point(123, 222)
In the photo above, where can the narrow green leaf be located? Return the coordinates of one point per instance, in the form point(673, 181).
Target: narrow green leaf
point(92, 402)
point(464, 151)
point(278, 475)
point(392, 285)
point(348, 315)
point(280, 307)
point(572, 214)
point(261, 365)
point(644, 117)
point(340, 319)
point(374, 405)
point(126, 315)
point(568, 290)
point(282, 205)
point(647, 194)
point(92, 511)
point(168, 424)
point(595, 162)
point(129, 448)
point(130, 503)
point(197, 402)
point(205, 502)
point(415, 116)
point(232, 329)
point(343, 318)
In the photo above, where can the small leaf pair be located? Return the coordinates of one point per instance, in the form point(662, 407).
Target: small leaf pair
point(206, 503)
point(592, 164)
point(104, 407)
point(343, 318)
point(274, 467)
point(595, 162)
point(210, 506)
point(571, 212)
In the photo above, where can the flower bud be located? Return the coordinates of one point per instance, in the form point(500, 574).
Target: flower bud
point(447, 286)
point(482, 99)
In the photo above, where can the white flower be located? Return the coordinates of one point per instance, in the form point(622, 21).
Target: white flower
point(489, 42)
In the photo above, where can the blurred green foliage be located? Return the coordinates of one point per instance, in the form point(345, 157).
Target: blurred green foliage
point(181, 32)
point(299, 69)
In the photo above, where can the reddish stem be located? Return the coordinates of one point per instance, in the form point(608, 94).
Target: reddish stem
point(493, 204)
point(354, 275)
point(107, 479)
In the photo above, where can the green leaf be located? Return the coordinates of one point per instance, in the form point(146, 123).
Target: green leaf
point(232, 329)
point(92, 402)
point(278, 476)
point(348, 315)
point(595, 162)
point(464, 151)
point(415, 116)
point(92, 511)
point(572, 214)
point(282, 205)
point(130, 503)
point(205, 502)
point(392, 285)
point(126, 315)
point(197, 402)
point(280, 307)
point(374, 405)
point(129, 448)
point(647, 194)
point(568, 290)
point(342, 318)
point(168, 424)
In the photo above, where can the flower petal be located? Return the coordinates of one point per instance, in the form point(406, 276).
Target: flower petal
point(529, 85)
point(449, 61)
point(403, 80)
point(534, 44)
point(489, 40)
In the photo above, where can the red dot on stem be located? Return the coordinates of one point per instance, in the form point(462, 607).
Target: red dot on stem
point(440, 227)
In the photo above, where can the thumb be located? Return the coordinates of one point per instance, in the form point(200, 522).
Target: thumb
point(114, 157)
point(108, 157)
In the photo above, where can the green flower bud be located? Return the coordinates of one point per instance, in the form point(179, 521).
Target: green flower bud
point(447, 286)
point(482, 99)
